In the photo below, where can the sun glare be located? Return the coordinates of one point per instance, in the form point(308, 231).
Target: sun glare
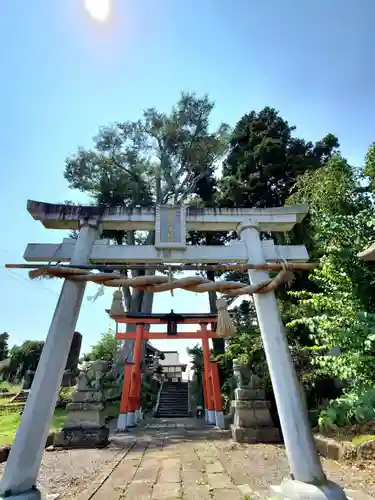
point(98, 9)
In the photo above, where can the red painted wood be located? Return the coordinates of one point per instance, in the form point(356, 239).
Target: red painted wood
point(163, 335)
point(157, 321)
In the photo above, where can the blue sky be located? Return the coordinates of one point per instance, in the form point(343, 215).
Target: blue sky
point(64, 76)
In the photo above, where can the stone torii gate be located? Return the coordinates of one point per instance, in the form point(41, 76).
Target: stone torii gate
point(171, 223)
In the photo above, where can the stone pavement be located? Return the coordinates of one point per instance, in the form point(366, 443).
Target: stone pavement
point(169, 460)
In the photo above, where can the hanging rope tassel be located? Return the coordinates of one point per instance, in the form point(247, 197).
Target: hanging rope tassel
point(225, 326)
point(117, 307)
point(170, 279)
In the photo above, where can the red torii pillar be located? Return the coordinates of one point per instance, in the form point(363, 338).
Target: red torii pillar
point(131, 389)
point(218, 403)
point(209, 405)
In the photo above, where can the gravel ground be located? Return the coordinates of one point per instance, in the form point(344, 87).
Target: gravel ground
point(68, 471)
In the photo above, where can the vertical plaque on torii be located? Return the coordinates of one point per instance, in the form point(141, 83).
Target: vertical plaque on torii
point(170, 231)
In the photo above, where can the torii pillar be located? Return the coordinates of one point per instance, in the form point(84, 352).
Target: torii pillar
point(22, 467)
point(308, 480)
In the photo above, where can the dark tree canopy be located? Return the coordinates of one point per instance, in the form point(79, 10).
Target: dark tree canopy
point(265, 160)
point(4, 337)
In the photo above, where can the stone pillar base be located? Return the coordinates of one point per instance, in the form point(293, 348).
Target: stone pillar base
point(33, 494)
point(255, 435)
point(296, 490)
point(131, 419)
point(122, 422)
point(82, 437)
point(219, 419)
point(211, 417)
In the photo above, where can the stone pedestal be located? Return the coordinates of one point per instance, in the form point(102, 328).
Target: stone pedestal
point(85, 426)
point(252, 419)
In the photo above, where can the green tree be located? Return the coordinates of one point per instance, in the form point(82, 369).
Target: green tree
point(161, 158)
point(265, 160)
point(24, 357)
point(196, 355)
point(340, 313)
point(104, 349)
point(369, 169)
point(4, 337)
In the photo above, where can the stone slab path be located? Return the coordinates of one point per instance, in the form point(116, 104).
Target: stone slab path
point(170, 461)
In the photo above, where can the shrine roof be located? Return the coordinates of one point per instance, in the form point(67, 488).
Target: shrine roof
point(62, 216)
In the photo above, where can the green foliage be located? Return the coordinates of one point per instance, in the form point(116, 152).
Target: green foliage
point(4, 337)
point(196, 355)
point(65, 396)
point(10, 422)
point(369, 169)
point(149, 392)
point(24, 357)
point(105, 348)
point(265, 160)
point(354, 406)
point(338, 315)
point(160, 158)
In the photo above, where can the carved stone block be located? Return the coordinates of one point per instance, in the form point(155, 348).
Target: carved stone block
point(255, 435)
point(241, 394)
point(82, 437)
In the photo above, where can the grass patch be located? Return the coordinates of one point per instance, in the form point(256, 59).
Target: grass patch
point(362, 439)
point(11, 388)
point(10, 422)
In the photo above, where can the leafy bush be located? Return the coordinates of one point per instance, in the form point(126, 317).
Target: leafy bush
point(65, 396)
point(149, 392)
point(356, 405)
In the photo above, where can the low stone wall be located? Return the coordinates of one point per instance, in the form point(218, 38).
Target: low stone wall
point(5, 450)
point(344, 450)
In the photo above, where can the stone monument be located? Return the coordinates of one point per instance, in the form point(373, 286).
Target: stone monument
point(28, 380)
point(252, 418)
point(71, 368)
point(85, 426)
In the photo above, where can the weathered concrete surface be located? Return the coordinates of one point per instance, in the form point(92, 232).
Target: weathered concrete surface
point(175, 460)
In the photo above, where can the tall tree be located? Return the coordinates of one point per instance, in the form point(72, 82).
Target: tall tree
point(265, 160)
point(105, 348)
point(161, 158)
point(4, 337)
point(24, 357)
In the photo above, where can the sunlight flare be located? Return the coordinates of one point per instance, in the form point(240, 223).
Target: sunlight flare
point(98, 9)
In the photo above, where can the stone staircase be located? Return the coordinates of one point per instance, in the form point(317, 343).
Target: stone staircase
point(174, 401)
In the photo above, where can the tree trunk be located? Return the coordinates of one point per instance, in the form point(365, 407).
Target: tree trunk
point(218, 344)
point(139, 301)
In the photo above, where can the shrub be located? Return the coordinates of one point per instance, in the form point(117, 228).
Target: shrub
point(355, 406)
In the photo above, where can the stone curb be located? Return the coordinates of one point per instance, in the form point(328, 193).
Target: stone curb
point(339, 450)
point(5, 450)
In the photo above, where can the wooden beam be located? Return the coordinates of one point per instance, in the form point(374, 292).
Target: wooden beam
point(156, 321)
point(163, 335)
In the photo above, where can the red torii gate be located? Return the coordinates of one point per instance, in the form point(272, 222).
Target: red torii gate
point(130, 398)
